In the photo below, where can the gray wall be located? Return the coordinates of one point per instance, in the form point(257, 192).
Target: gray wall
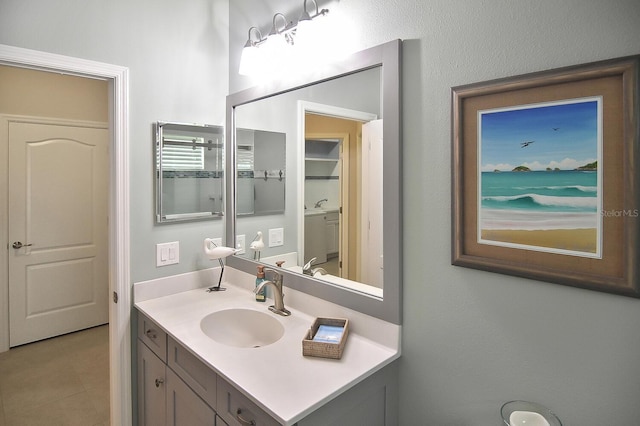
point(474, 340)
point(177, 58)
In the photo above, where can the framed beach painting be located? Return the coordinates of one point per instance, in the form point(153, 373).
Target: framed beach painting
point(545, 181)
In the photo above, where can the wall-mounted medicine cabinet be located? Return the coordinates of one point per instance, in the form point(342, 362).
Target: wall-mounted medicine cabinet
point(189, 172)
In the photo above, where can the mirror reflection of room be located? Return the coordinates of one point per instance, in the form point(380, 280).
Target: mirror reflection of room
point(330, 162)
point(190, 170)
point(327, 229)
point(261, 172)
point(339, 199)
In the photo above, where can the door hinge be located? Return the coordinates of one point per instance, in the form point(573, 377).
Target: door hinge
point(115, 297)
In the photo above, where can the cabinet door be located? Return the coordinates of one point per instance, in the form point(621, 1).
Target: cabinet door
point(184, 407)
point(151, 388)
point(332, 236)
point(315, 238)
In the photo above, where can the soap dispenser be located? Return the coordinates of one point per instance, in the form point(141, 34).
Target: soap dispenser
point(261, 296)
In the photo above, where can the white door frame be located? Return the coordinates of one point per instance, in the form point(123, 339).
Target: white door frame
point(119, 265)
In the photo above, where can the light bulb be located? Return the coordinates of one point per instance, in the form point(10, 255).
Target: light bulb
point(250, 60)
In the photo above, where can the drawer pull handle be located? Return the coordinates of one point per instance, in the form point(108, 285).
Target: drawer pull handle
point(159, 382)
point(151, 334)
point(242, 420)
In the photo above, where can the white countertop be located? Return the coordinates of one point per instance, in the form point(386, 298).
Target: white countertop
point(319, 211)
point(285, 384)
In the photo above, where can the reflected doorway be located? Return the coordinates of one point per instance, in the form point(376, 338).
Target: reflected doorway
point(332, 146)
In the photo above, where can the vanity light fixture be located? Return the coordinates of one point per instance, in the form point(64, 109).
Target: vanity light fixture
point(275, 51)
point(213, 251)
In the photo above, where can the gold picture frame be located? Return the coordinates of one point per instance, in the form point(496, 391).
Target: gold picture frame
point(545, 181)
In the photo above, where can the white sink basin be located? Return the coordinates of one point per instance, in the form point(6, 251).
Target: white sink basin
point(243, 328)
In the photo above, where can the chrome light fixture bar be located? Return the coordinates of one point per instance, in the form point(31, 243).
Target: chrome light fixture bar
point(271, 50)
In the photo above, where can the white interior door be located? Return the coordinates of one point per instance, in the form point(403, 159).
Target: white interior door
point(371, 247)
point(58, 244)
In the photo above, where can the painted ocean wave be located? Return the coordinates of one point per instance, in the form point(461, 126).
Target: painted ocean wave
point(532, 201)
point(578, 188)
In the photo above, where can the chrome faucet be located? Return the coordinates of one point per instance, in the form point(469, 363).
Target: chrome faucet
point(319, 203)
point(276, 277)
point(307, 270)
point(278, 295)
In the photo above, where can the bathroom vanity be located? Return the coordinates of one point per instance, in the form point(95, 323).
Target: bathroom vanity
point(189, 374)
point(321, 234)
point(223, 358)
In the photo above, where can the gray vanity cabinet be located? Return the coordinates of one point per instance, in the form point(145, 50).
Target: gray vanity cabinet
point(175, 388)
point(164, 397)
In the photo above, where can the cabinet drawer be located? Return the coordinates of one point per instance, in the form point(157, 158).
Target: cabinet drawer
point(193, 371)
point(237, 410)
point(332, 216)
point(152, 336)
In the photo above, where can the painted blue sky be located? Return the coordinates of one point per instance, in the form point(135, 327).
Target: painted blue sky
point(565, 136)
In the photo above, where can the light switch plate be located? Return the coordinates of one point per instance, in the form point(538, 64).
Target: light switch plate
point(168, 253)
point(241, 244)
point(276, 237)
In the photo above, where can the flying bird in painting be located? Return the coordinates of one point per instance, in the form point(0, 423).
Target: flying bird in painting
point(555, 129)
point(526, 143)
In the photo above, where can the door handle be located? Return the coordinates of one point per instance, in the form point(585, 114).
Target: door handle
point(19, 245)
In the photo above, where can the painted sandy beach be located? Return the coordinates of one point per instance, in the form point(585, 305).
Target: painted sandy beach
point(581, 240)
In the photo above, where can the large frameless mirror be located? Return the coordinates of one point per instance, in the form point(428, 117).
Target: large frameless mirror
point(338, 236)
point(189, 172)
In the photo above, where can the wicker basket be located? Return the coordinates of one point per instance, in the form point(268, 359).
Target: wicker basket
point(324, 349)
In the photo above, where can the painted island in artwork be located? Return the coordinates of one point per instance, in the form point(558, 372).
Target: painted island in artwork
point(540, 177)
